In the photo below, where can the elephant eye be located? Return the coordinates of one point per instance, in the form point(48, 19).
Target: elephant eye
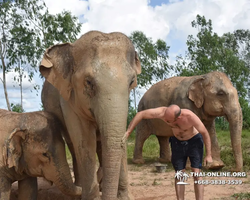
point(46, 155)
point(88, 82)
point(221, 92)
point(89, 86)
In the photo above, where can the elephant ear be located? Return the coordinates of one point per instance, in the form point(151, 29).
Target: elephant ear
point(13, 149)
point(195, 92)
point(57, 66)
point(137, 64)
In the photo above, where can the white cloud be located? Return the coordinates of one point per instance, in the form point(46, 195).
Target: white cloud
point(123, 16)
point(170, 22)
point(75, 6)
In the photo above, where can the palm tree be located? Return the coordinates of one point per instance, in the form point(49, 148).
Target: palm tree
point(178, 175)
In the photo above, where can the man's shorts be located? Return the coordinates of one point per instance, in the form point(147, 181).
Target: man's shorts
point(181, 150)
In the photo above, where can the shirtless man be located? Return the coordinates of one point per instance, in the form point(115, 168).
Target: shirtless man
point(189, 134)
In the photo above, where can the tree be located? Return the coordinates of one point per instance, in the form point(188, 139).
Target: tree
point(229, 53)
point(239, 42)
point(153, 57)
point(209, 52)
point(27, 29)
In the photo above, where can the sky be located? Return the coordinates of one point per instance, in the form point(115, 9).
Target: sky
point(169, 20)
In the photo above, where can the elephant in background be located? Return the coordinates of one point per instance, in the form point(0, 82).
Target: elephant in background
point(32, 146)
point(208, 96)
point(87, 87)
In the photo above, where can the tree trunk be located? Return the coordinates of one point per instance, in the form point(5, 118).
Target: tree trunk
point(21, 86)
point(4, 86)
point(4, 79)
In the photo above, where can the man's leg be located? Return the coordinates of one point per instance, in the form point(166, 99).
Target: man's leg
point(195, 156)
point(179, 189)
point(178, 160)
point(198, 188)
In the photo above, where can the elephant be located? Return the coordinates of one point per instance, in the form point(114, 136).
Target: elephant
point(32, 146)
point(87, 86)
point(208, 96)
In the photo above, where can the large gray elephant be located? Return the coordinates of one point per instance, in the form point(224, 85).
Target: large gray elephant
point(208, 96)
point(31, 146)
point(87, 86)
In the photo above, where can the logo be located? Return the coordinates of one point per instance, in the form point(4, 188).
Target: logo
point(182, 177)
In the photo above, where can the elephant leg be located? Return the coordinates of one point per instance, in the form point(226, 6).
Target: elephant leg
point(27, 189)
point(123, 192)
point(165, 155)
point(142, 133)
point(217, 162)
point(5, 188)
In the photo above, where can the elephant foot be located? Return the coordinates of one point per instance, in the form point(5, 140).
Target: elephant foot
point(125, 195)
point(236, 169)
point(164, 160)
point(216, 164)
point(138, 161)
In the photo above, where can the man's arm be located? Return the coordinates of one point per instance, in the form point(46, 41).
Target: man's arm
point(145, 114)
point(197, 123)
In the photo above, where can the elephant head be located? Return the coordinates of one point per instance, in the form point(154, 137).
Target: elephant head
point(94, 76)
point(40, 154)
point(216, 95)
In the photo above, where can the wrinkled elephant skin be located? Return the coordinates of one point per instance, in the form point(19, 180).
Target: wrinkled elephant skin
point(87, 86)
point(209, 96)
point(31, 146)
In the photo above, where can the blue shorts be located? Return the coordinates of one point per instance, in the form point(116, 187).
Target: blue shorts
point(181, 150)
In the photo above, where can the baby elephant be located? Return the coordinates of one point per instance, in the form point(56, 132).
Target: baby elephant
point(31, 146)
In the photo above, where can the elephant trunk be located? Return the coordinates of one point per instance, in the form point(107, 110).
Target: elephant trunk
point(112, 128)
point(235, 124)
point(65, 183)
point(59, 172)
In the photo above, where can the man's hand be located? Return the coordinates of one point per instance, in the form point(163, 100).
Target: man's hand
point(208, 160)
point(124, 139)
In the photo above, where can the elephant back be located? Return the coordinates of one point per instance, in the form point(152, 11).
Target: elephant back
point(160, 94)
point(170, 91)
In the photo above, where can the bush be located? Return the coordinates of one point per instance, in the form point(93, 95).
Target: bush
point(17, 108)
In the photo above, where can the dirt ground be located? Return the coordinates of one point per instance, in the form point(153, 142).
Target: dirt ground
point(147, 184)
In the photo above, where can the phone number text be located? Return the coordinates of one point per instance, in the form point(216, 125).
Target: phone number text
point(218, 182)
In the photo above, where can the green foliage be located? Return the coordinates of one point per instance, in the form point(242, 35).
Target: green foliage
point(229, 53)
point(221, 123)
point(209, 52)
point(27, 29)
point(153, 58)
point(245, 113)
point(17, 108)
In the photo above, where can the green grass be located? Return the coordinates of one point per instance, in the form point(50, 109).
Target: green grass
point(151, 149)
point(226, 149)
point(242, 196)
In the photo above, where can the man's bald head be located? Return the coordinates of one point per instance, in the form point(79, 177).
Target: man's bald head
point(172, 112)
